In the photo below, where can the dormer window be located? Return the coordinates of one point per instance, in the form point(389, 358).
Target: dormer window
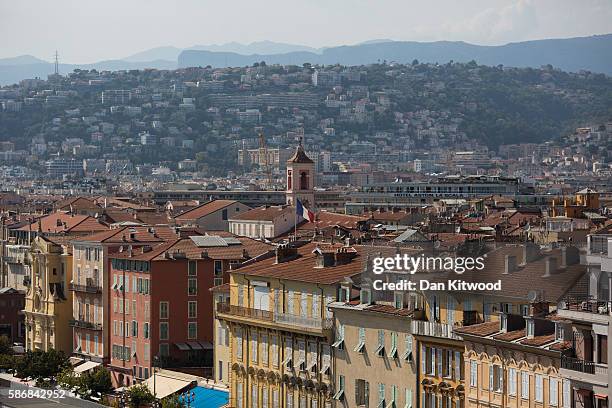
point(530, 328)
point(559, 331)
point(365, 296)
point(504, 322)
point(344, 295)
point(398, 300)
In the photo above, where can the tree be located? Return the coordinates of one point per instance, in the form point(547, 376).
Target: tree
point(41, 364)
point(139, 395)
point(172, 402)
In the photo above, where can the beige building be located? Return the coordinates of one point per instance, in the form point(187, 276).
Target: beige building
point(281, 329)
point(48, 305)
point(515, 362)
point(374, 354)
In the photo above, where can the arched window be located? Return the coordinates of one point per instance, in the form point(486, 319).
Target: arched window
point(289, 179)
point(304, 180)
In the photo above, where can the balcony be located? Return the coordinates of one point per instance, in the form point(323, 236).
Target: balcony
point(587, 309)
point(89, 287)
point(312, 325)
point(585, 371)
point(84, 324)
point(433, 329)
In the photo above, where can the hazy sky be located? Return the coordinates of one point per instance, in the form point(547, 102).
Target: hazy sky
point(87, 31)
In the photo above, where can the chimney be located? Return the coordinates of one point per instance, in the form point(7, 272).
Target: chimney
point(530, 253)
point(343, 256)
point(539, 308)
point(569, 256)
point(285, 253)
point(550, 266)
point(510, 264)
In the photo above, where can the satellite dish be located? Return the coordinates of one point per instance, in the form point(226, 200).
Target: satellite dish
point(532, 295)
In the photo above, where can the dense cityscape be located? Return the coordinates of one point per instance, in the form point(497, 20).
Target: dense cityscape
point(409, 234)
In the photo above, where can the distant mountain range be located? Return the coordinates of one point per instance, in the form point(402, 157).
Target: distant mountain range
point(571, 54)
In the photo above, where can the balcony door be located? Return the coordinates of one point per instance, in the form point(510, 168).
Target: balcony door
point(261, 298)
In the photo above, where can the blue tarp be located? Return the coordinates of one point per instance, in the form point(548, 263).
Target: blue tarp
point(209, 398)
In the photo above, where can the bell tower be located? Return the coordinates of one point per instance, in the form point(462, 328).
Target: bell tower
point(300, 178)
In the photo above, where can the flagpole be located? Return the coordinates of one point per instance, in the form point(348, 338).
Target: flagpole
point(295, 215)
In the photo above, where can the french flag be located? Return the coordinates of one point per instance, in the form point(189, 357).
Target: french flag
point(304, 212)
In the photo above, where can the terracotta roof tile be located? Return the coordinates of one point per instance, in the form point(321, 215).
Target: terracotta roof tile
point(204, 209)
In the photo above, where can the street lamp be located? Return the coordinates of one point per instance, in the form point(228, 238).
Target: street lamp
point(155, 363)
point(122, 400)
point(187, 398)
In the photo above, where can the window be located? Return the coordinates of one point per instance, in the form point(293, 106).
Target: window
point(325, 359)
point(408, 398)
point(530, 328)
point(524, 385)
point(134, 328)
point(408, 345)
point(380, 348)
point(393, 351)
point(192, 330)
point(218, 268)
point(290, 398)
point(239, 343)
point(361, 344)
point(340, 393)
point(393, 396)
point(274, 349)
point(361, 392)
point(459, 371)
point(163, 349)
point(473, 373)
point(163, 310)
point(539, 388)
point(439, 361)
point(224, 214)
point(449, 364)
point(381, 395)
point(264, 349)
point(192, 311)
point(339, 343)
point(311, 363)
point(254, 347)
point(315, 305)
point(365, 296)
point(567, 394)
point(239, 394)
point(512, 381)
point(145, 330)
point(163, 331)
point(553, 392)
point(192, 287)
point(192, 268)
point(254, 396)
point(495, 378)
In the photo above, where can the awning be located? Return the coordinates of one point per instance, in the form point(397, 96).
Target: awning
point(165, 386)
point(206, 345)
point(75, 360)
point(86, 366)
point(194, 345)
point(181, 346)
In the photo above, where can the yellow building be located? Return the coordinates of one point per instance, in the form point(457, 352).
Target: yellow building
point(281, 331)
point(515, 362)
point(519, 269)
point(374, 356)
point(48, 306)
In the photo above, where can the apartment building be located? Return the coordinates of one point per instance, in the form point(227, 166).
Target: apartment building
point(515, 362)
point(90, 284)
point(48, 305)
point(519, 269)
point(263, 222)
point(222, 350)
point(588, 319)
point(281, 328)
point(162, 306)
point(374, 353)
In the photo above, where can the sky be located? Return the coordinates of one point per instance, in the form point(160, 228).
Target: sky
point(86, 31)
